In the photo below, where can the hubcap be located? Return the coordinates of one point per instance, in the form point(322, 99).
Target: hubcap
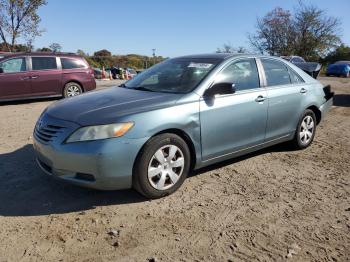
point(73, 91)
point(306, 129)
point(166, 167)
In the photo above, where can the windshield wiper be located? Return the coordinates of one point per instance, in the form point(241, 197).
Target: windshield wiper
point(142, 88)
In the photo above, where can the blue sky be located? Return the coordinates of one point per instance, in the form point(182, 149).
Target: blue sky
point(176, 27)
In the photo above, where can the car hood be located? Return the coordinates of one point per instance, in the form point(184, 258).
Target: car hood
point(106, 106)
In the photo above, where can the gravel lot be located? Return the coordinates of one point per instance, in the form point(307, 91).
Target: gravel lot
point(273, 205)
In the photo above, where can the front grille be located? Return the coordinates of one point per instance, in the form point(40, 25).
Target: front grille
point(47, 133)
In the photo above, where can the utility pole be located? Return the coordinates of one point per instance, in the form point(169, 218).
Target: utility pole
point(154, 56)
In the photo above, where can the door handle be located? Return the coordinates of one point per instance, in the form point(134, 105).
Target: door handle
point(25, 78)
point(34, 77)
point(260, 99)
point(303, 90)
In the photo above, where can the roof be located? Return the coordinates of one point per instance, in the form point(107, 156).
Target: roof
point(39, 54)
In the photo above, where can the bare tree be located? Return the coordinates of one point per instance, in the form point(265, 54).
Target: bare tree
point(19, 18)
point(274, 33)
point(228, 48)
point(309, 32)
point(55, 47)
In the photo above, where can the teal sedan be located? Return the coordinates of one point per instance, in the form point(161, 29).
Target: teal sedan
point(180, 115)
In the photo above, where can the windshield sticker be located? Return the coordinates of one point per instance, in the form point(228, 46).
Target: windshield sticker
point(200, 65)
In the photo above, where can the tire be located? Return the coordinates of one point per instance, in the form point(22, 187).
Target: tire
point(72, 89)
point(154, 178)
point(305, 133)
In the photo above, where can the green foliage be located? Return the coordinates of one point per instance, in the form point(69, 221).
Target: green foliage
point(44, 49)
point(14, 48)
point(339, 54)
point(104, 58)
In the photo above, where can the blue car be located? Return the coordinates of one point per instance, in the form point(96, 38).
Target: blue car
point(182, 114)
point(338, 69)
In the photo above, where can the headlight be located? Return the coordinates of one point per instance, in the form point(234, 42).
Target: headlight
point(99, 132)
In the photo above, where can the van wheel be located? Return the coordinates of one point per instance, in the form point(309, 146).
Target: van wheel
point(72, 89)
point(306, 129)
point(162, 166)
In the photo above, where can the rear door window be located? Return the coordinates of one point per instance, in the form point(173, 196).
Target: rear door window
point(14, 65)
point(44, 63)
point(276, 72)
point(70, 63)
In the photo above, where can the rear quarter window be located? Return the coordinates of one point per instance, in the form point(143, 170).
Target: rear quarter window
point(71, 63)
point(44, 63)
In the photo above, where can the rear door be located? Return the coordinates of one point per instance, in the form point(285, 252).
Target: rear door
point(14, 81)
point(286, 91)
point(46, 76)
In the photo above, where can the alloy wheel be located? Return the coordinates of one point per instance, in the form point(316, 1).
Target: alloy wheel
point(73, 90)
point(306, 129)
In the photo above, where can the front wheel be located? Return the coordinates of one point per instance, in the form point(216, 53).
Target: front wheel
point(162, 166)
point(72, 89)
point(305, 131)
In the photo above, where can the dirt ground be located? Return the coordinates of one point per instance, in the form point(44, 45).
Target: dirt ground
point(273, 205)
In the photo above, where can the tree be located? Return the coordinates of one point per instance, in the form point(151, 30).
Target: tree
point(19, 18)
point(274, 33)
point(228, 48)
point(340, 53)
point(102, 52)
point(55, 47)
point(44, 49)
point(309, 32)
point(81, 52)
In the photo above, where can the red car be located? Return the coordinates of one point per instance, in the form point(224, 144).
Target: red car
point(34, 75)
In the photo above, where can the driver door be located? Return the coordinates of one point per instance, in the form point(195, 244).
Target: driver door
point(234, 122)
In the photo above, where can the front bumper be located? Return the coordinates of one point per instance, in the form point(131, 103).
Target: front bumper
point(101, 164)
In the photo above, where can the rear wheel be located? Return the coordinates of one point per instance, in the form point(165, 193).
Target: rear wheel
point(162, 166)
point(305, 131)
point(72, 89)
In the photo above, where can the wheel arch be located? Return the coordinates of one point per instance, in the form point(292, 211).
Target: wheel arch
point(317, 113)
point(181, 133)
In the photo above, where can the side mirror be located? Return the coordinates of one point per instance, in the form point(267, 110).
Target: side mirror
point(220, 89)
point(1, 70)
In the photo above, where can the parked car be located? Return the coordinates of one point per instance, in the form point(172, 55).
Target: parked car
point(311, 68)
point(132, 72)
point(97, 73)
point(343, 62)
point(34, 75)
point(182, 114)
point(338, 70)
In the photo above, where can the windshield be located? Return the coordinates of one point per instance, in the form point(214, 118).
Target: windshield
point(173, 76)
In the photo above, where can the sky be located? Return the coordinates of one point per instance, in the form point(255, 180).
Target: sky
point(173, 28)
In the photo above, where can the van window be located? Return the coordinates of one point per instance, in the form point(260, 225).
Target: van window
point(44, 63)
point(14, 65)
point(70, 63)
point(276, 72)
